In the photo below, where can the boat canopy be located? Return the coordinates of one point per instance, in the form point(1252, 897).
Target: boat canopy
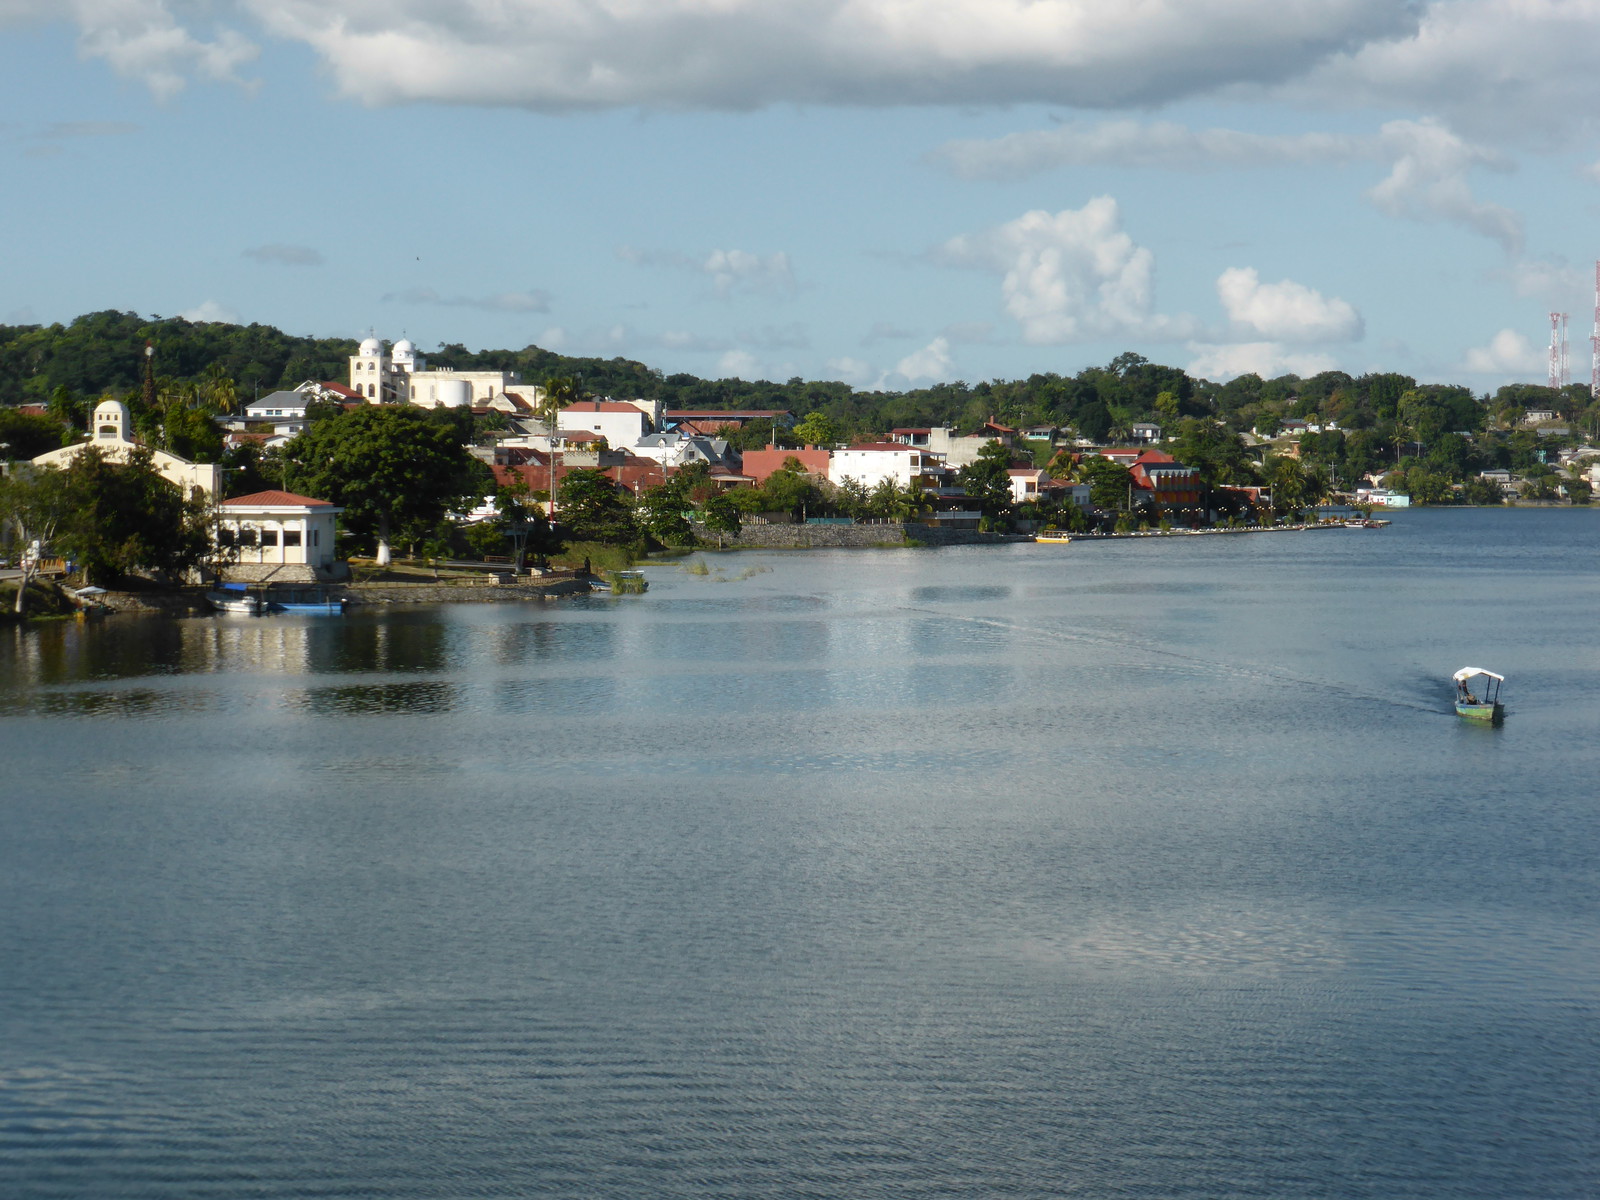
point(1467, 673)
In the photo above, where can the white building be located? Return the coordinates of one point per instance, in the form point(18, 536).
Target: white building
point(1026, 483)
point(870, 463)
point(402, 377)
point(620, 423)
point(111, 432)
point(279, 535)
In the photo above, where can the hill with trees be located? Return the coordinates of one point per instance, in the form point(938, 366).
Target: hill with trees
point(1440, 433)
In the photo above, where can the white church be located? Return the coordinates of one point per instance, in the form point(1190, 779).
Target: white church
point(402, 377)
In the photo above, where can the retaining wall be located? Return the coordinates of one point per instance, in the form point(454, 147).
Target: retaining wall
point(846, 537)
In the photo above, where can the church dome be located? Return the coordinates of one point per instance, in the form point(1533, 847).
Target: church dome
point(371, 348)
point(403, 349)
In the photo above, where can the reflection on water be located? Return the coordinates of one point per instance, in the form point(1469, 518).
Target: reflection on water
point(1162, 870)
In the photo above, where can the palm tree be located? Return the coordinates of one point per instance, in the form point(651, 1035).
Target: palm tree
point(558, 392)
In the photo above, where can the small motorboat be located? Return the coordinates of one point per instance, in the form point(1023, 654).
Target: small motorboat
point(320, 600)
point(1058, 536)
point(235, 599)
point(1478, 695)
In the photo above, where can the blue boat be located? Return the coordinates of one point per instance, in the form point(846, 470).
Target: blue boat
point(318, 600)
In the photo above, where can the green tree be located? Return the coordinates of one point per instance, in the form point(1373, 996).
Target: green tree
point(721, 516)
point(818, 429)
point(1215, 451)
point(1109, 482)
point(34, 504)
point(792, 490)
point(124, 517)
point(1288, 481)
point(387, 466)
point(26, 435)
point(487, 537)
point(592, 510)
point(660, 514)
point(987, 481)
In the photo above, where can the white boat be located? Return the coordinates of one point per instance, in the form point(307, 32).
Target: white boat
point(1484, 703)
point(235, 601)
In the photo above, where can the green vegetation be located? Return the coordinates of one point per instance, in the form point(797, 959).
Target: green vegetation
point(398, 471)
point(395, 471)
point(113, 519)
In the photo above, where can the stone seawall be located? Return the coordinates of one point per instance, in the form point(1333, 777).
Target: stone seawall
point(847, 537)
point(469, 593)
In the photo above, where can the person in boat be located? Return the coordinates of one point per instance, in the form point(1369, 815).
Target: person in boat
point(1464, 693)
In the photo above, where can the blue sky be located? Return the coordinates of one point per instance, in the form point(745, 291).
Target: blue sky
point(889, 192)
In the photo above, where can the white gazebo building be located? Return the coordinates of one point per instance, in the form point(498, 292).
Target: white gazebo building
point(279, 537)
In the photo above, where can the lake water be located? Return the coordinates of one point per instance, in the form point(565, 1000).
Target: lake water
point(1154, 868)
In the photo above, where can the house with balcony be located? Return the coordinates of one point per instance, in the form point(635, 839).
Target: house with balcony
point(870, 463)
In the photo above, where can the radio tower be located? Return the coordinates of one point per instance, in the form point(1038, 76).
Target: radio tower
point(1558, 350)
point(1594, 339)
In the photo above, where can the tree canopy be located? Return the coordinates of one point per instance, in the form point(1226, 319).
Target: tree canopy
point(389, 467)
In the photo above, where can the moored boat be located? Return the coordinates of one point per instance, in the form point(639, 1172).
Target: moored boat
point(234, 599)
point(1482, 704)
point(318, 600)
point(1057, 536)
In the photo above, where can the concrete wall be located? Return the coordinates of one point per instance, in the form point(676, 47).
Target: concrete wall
point(820, 537)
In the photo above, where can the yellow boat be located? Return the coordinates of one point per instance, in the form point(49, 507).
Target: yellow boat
point(1053, 535)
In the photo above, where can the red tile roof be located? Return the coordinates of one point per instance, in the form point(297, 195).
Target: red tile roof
point(277, 499)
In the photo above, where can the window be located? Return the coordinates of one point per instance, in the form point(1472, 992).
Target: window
point(226, 536)
point(291, 537)
point(247, 536)
point(269, 537)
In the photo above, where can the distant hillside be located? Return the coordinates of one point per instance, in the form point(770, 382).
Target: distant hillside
point(104, 352)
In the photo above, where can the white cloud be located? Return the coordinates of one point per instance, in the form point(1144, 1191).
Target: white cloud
point(737, 270)
point(854, 371)
point(932, 363)
point(1160, 144)
point(210, 310)
point(1285, 311)
point(1429, 181)
point(287, 256)
point(730, 272)
point(886, 331)
point(553, 338)
point(1069, 276)
point(1509, 354)
point(683, 339)
point(1266, 359)
point(969, 332)
point(1511, 70)
point(142, 40)
point(1553, 280)
point(741, 54)
point(739, 364)
point(535, 301)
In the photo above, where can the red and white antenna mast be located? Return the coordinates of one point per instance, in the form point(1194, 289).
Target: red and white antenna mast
point(1558, 350)
point(1594, 339)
